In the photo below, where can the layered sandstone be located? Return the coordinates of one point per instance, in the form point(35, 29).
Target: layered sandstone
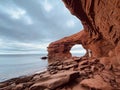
point(72, 74)
point(101, 21)
point(60, 50)
point(101, 34)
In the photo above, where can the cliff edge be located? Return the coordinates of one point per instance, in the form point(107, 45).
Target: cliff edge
point(100, 71)
point(101, 22)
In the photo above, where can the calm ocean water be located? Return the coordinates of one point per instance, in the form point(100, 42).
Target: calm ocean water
point(18, 65)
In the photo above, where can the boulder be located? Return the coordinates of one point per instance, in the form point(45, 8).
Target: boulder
point(50, 84)
point(44, 57)
point(56, 80)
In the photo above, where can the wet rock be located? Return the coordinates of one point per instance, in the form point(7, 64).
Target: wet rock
point(3, 84)
point(23, 79)
point(28, 84)
point(6, 88)
point(44, 57)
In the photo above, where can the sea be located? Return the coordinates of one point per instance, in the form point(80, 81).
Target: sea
point(15, 65)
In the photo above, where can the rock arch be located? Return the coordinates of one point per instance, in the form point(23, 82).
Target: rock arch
point(101, 33)
point(60, 50)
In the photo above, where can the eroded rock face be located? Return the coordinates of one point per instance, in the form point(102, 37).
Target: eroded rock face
point(72, 74)
point(99, 17)
point(60, 50)
point(101, 21)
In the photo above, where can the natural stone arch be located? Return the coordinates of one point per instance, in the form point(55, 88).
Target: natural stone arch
point(77, 50)
point(60, 50)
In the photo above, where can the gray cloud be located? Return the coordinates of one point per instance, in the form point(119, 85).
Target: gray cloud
point(34, 22)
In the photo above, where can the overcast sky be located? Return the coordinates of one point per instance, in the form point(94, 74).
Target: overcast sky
point(28, 26)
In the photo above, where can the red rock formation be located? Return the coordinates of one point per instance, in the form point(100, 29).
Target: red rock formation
point(101, 21)
point(101, 34)
point(60, 50)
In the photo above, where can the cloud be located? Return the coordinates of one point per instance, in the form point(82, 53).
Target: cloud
point(47, 6)
point(20, 14)
point(22, 48)
point(16, 13)
point(35, 23)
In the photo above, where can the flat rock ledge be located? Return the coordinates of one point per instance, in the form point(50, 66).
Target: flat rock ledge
point(73, 74)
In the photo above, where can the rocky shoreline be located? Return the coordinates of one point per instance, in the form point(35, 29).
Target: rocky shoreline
point(73, 74)
point(101, 35)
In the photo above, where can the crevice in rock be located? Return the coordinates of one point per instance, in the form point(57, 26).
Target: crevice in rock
point(110, 30)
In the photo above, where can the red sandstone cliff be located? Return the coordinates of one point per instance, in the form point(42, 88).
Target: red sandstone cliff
point(101, 34)
point(101, 21)
point(60, 50)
